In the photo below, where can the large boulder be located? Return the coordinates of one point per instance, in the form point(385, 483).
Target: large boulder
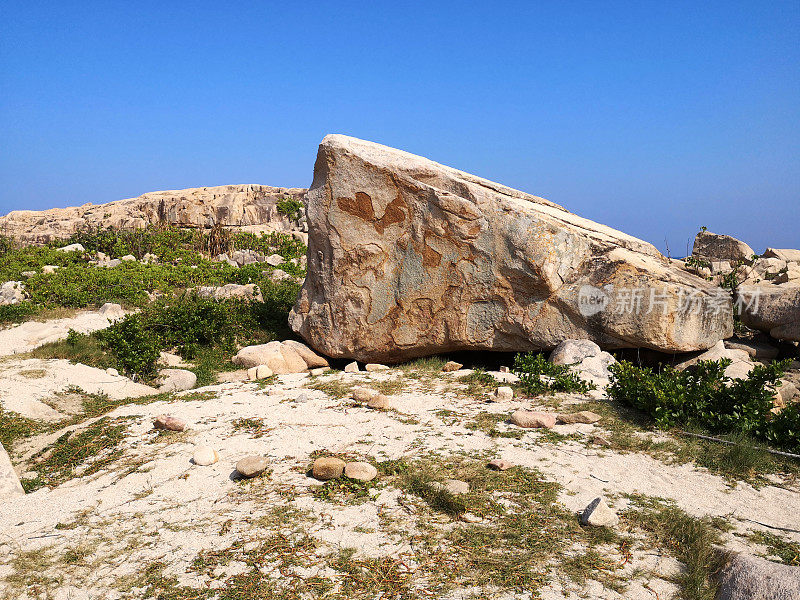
point(9, 482)
point(281, 357)
point(785, 254)
point(739, 368)
point(717, 247)
point(409, 258)
point(774, 309)
point(751, 578)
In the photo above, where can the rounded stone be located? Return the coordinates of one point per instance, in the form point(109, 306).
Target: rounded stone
point(204, 456)
point(251, 466)
point(379, 402)
point(363, 395)
point(360, 471)
point(498, 464)
point(533, 419)
point(169, 423)
point(327, 467)
point(504, 393)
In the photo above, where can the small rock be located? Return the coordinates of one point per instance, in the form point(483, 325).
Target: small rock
point(498, 464)
point(259, 372)
point(379, 402)
point(533, 419)
point(128, 258)
point(274, 260)
point(318, 371)
point(599, 440)
point(72, 248)
point(28, 274)
point(598, 514)
point(362, 395)
point(360, 471)
point(454, 486)
point(251, 466)
point(352, 368)
point(204, 456)
point(169, 423)
point(504, 370)
point(113, 372)
point(749, 578)
point(585, 416)
point(504, 392)
point(327, 467)
point(176, 380)
point(451, 366)
point(470, 518)
point(49, 269)
point(372, 367)
point(301, 398)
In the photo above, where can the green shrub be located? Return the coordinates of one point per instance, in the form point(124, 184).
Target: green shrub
point(16, 313)
point(291, 208)
point(704, 397)
point(531, 367)
point(134, 345)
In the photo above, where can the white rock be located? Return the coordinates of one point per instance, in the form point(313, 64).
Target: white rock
point(128, 258)
point(72, 248)
point(360, 471)
point(352, 368)
point(113, 372)
point(372, 367)
point(176, 380)
point(9, 482)
point(274, 260)
point(204, 456)
point(12, 292)
point(599, 514)
point(504, 393)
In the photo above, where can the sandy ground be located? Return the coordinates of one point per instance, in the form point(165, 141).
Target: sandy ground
point(39, 389)
point(153, 504)
point(32, 334)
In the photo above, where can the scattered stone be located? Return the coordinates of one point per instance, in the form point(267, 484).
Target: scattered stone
point(169, 423)
point(362, 395)
point(713, 246)
point(259, 372)
point(379, 402)
point(72, 248)
point(274, 260)
point(128, 258)
point(279, 275)
point(504, 393)
point(372, 367)
point(169, 360)
point(281, 357)
point(533, 419)
point(251, 466)
point(451, 365)
point(318, 371)
point(739, 368)
point(204, 456)
point(777, 311)
point(360, 471)
point(598, 514)
point(585, 416)
point(231, 291)
point(176, 380)
point(470, 518)
point(112, 311)
point(498, 464)
point(599, 440)
point(302, 398)
point(50, 269)
point(505, 370)
point(748, 577)
point(352, 367)
point(756, 350)
point(571, 352)
point(9, 482)
point(112, 371)
point(12, 292)
point(454, 486)
point(327, 467)
point(28, 274)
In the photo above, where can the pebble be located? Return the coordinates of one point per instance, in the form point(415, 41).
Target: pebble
point(451, 366)
point(504, 392)
point(352, 368)
point(318, 371)
point(360, 471)
point(204, 456)
point(533, 419)
point(598, 514)
point(259, 372)
point(585, 416)
point(454, 486)
point(361, 394)
point(327, 467)
point(251, 466)
point(169, 423)
point(372, 367)
point(379, 402)
point(599, 440)
point(498, 464)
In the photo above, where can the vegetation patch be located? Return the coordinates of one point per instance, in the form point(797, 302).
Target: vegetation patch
point(537, 375)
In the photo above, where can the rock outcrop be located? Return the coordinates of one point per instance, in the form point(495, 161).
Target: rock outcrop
point(9, 482)
point(409, 258)
point(773, 309)
point(245, 206)
point(717, 247)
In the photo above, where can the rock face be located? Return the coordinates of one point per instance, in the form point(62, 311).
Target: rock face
point(227, 205)
point(774, 309)
point(717, 247)
point(9, 482)
point(748, 578)
point(409, 258)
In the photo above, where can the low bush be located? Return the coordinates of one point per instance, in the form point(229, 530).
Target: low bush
point(289, 207)
point(537, 375)
point(704, 397)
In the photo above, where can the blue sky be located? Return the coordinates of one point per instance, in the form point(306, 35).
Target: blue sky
point(653, 117)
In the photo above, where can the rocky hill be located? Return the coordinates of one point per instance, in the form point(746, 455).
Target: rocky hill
point(252, 207)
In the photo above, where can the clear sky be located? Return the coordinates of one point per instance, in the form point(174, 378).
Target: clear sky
point(652, 117)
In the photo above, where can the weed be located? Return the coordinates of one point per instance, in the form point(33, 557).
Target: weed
point(539, 376)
